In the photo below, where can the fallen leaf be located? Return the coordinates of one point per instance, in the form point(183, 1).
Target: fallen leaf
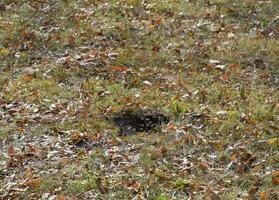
point(120, 68)
point(156, 21)
point(134, 186)
point(233, 157)
point(31, 149)
point(155, 155)
point(4, 52)
point(34, 183)
point(171, 127)
point(224, 77)
point(60, 197)
point(262, 196)
point(203, 166)
point(273, 141)
point(11, 151)
point(275, 178)
point(26, 78)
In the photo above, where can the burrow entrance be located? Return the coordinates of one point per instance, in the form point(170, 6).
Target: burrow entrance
point(131, 122)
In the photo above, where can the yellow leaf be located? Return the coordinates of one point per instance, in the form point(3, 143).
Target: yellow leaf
point(4, 52)
point(273, 141)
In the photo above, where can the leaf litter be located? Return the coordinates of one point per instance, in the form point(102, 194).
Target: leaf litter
point(210, 67)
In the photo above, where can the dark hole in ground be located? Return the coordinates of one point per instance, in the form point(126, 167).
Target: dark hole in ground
point(131, 122)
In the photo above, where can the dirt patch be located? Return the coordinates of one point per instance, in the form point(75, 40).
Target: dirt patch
point(132, 122)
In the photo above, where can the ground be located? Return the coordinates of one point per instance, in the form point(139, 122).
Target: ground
point(211, 67)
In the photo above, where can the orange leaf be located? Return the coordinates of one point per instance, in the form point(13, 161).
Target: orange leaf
point(156, 21)
point(119, 68)
point(275, 178)
point(224, 77)
point(262, 196)
point(134, 185)
point(60, 197)
point(20, 130)
point(233, 157)
point(170, 127)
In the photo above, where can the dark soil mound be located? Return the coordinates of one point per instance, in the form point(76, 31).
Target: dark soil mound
point(130, 122)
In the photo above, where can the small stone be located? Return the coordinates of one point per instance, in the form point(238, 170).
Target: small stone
point(147, 83)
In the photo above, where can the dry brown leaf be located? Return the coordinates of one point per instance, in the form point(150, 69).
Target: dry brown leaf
point(26, 78)
point(120, 68)
point(163, 149)
point(21, 122)
point(218, 144)
point(60, 197)
point(134, 186)
point(31, 148)
point(156, 21)
point(203, 166)
point(34, 183)
point(155, 155)
point(224, 77)
point(11, 151)
point(171, 127)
